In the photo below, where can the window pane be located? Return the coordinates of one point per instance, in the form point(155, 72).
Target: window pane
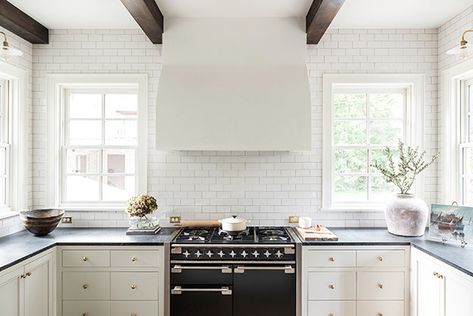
point(349, 105)
point(83, 161)
point(121, 105)
point(119, 161)
point(351, 160)
point(380, 189)
point(82, 105)
point(3, 161)
point(85, 132)
point(82, 188)
point(379, 155)
point(349, 132)
point(385, 132)
point(350, 188)
point(386, 105)
point(120, 132)
point(118, 188)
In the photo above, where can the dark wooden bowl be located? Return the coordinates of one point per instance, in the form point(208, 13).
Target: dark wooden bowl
point(41, 222)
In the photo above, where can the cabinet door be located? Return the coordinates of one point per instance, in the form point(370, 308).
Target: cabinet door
point(39, 287)
point(11, 298)
point(458, 295)
point(428, 289)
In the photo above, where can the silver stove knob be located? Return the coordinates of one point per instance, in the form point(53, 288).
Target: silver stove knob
point(221, 254)
point(279, 254)
point(209, 254)
point(186, 254)
point(233, 254)
point(255, 254)
point(267, 254)
point(198, 254)
point(244, 254)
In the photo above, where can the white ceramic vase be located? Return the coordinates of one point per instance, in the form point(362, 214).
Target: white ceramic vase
point(406, 215)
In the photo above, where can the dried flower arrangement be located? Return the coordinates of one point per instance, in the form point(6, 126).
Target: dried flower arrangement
point(410, 163)
point(142, 205)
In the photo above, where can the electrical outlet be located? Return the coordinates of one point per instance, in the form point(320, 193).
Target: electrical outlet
point(174, 219)
point(67, 220)
point(293, 219)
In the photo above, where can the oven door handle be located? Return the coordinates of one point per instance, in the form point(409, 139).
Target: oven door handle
point(286, 269)
point(224, 290)
point(178, 268)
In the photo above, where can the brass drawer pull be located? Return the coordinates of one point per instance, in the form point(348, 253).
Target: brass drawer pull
point(23, 276)
point(133, 286)
point(380, 285)
point(380, 314)
point(331, 286)
point(332, 259)
point(134, 259)
point(380, 258)
point(85, 259)
point(331, 314)
point(435, 274)
point(85, 286)
point(28, 274)
point(85, 314)
point(134, 314)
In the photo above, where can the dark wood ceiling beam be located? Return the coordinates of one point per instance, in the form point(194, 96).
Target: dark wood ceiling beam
point(20, 23)
point(148, 16)
point(319, 17)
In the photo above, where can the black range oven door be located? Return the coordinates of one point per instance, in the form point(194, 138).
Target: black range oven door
point(264, 291)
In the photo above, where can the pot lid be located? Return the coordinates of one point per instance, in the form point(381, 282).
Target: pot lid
point(234, 220)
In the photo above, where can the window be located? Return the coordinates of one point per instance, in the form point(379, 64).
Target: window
point(360, 119)
point(101, 143)
point(4, 144)
point(466, 143)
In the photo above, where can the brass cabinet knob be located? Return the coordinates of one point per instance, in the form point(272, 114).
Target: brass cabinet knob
point(133, 286)
point(380, 314)
point(85, 286)
point(440, 276)
point(380, 258)
point(331, 286)
point(23, 276)
point(331, 314)
point(134, 259)
point(332, 259)
point(380, 285)
point(134, 314)
point(85, 259)
point(85, 314)
point(28, 274)
point(435, 274)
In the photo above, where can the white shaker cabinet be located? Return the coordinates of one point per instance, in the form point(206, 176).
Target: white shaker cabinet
point(438, 289)
point(27, 289)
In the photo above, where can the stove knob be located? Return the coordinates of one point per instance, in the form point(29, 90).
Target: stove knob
point(267, 254)
point(233, 254)
point(186, 254)
point(255, 254)
point(209, 254)
point(279, 254)
point(221, 254)
point(198, 254)
point(244, 254)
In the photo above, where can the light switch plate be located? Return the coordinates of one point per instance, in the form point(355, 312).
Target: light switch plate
point(293, 219)
point(66, 220)
point(174, 219)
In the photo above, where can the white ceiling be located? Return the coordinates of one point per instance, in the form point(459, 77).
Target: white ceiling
point(63, 14)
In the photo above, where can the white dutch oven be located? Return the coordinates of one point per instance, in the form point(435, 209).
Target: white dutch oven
point(233, 224)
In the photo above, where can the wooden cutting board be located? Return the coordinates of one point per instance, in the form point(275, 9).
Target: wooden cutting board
point(316, 233)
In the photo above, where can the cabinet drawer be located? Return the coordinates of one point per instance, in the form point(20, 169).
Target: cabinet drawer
point(335, 258)
point(85, 258)
point(138, 258)
point(380, 285)
point(331, 285)
point(134, 286)
point(380, 258)
point(377, 308)
point(143, 308)
point(89, 308)
point(332, 308)
point(86, 285)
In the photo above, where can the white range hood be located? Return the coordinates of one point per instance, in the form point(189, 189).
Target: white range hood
point(234, 84)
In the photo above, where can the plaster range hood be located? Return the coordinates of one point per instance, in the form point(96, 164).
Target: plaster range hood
point(234, 84)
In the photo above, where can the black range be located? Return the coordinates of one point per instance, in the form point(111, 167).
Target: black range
point(252, 272)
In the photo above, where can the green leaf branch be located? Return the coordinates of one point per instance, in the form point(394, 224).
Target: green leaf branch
point(402, 173)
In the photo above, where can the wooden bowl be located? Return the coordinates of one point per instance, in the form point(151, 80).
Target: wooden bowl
point(41, 222)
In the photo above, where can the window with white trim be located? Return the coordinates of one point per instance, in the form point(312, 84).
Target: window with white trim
point(466, 143)
point(100, 140)
point(360, 120)
point(4, 144)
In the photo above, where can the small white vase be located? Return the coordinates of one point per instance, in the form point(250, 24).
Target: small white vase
point(406, 215)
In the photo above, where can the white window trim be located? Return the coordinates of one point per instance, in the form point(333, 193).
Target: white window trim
point(18, 198)
point(414, 132)
point(57, 84)
point(451, 98)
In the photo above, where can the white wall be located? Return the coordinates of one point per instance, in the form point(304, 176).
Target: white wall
point(263, 186)
point(12, 224)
